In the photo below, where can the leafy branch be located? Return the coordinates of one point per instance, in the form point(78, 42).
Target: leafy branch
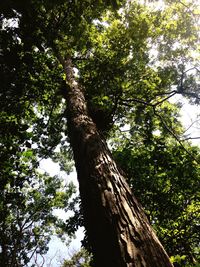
point(128, 102)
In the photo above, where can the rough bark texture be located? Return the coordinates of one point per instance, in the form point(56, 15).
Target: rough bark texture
point(118, 230)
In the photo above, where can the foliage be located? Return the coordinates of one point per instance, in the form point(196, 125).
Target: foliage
point(130, 59)
point(27, 221)
point(27, 196)
point(81, 258)
point(166, 179)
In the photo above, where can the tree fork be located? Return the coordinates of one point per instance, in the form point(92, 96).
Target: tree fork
point(118, 230)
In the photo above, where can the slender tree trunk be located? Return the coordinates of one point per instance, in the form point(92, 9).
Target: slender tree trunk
point(118, 230)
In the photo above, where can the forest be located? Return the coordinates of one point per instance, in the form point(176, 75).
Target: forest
point(98, 86)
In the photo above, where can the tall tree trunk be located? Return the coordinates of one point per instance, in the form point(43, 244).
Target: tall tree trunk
point(118, 230)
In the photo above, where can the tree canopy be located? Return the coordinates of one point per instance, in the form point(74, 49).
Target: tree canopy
point(130, 58)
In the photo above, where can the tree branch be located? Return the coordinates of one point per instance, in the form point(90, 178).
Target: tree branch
point(175, 136)
point(190, 138)
point(191, 126)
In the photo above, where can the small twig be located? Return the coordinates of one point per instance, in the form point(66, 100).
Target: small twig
point(193, 68)
point(190, 11)
point(175, 136)
point(52, 258)
point(127, 101)
point(190, 138)
point(191, 125)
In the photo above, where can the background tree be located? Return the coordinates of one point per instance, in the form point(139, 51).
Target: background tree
point(27, 196)
point(80, 258)
point(168, 184)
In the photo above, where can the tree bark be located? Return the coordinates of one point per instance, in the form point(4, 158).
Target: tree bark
point(118, 230)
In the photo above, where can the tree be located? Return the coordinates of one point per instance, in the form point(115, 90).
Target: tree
point(165, 178)
point(115, 73)
point(81, 258)
point(27, 196)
